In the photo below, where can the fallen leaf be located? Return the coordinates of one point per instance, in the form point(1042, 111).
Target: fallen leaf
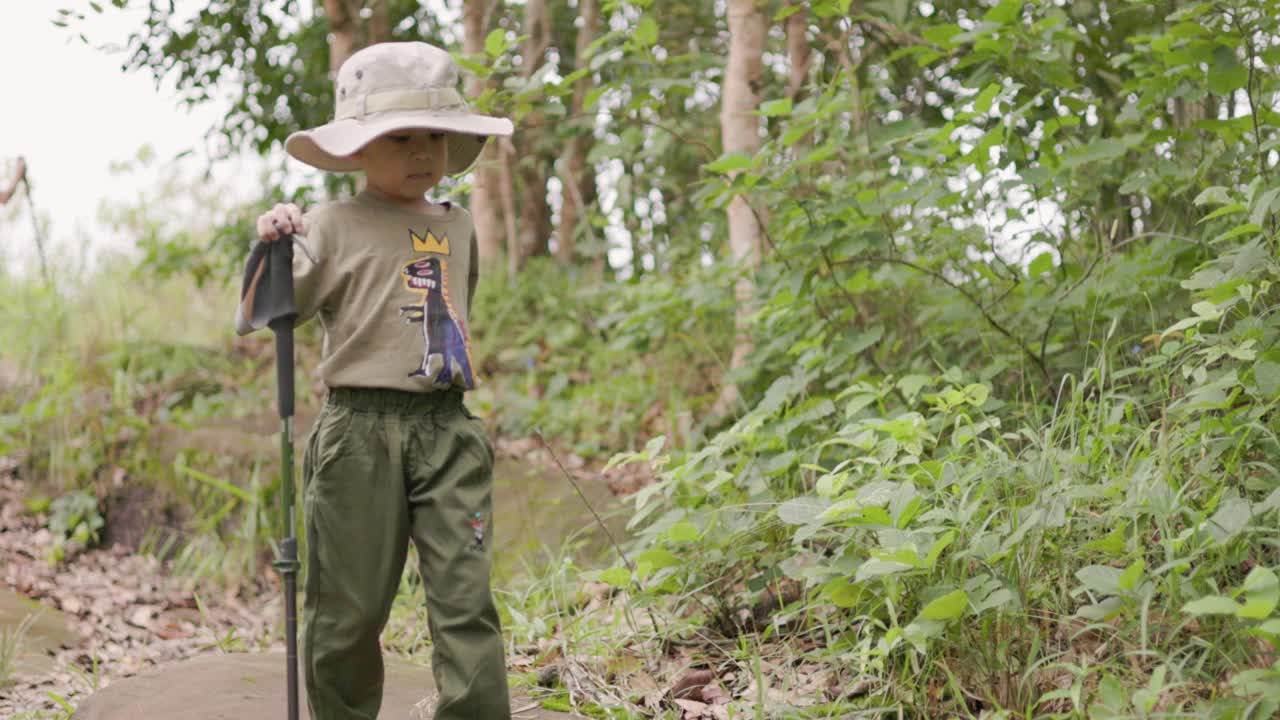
point(690, 686)
point(715, 695)
point(693, 709)
point(643, 682)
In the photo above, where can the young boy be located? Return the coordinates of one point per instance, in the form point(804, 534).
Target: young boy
point(394, 455)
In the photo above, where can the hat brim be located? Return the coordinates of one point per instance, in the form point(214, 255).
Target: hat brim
point(329, 147)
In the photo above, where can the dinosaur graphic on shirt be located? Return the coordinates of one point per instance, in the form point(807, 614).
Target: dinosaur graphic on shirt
point(446, 354)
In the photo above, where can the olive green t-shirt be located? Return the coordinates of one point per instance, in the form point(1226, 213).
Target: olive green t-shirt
point(392, 288)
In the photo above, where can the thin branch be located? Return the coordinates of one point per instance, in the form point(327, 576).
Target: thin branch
point(711, 152)
point(1257, 131)
point(1044, 370)
point(1253, 110)
point(892, 32)
point(867, 354)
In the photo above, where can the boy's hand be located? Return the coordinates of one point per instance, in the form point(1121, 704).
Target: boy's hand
point(279, 221)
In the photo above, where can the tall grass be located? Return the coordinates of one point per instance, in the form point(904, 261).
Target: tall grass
point(126, 385)
point(1106, 554)
point(11, 646)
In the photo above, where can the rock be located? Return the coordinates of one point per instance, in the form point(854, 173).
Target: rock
point(141, 616)
point(251, 686)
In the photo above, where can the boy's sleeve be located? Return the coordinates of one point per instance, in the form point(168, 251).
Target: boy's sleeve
point(313, 282)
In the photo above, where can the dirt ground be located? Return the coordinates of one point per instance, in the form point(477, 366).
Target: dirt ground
point(252, 687)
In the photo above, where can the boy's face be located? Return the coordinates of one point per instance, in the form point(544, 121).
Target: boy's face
point(405, 164)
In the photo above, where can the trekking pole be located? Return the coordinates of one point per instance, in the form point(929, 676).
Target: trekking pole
point(35, 221)
point(266, 300)
point(287, 555)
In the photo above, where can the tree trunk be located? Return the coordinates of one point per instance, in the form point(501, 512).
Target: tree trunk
point(573, 208)
point(507, 154)
point(348, 32)
point(799, 54)
point(799, 61)
point(528, 167)
point(740, 128)
point(486, 178)
point(344, 31)
point(379, 22)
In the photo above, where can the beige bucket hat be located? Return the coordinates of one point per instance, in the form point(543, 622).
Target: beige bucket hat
point(396, 86)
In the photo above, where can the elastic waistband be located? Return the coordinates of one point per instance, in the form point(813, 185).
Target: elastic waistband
point(397, 402)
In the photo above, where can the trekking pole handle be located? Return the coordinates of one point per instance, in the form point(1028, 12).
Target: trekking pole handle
point(283, 328)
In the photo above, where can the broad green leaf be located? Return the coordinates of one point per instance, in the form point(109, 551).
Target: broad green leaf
point(910, 385)
point(731, 162)
point(617, 577)
point(1262, 206)
point(646, 32)
point(842, 593)
point(874, 568)
point(982, 103)
point(496, 43)
point(942, 34)
point(683, 531)
point(1232, 516)
point(996, 600)
point(977, 394)
point(1266, 375)
point(1005, 12)
point(786, 11)
point(1100, 579)
point(1211, 605)
point(921, 631)
point(802, 510)
point(1235, 232)
point(938, 546)
point(1132, 574)
point(1042, 264)
point(1207, 310)
point(1226, 73)
point(657, 558)
point(1105, 610)
point(1229, 209)
point(1098, 151)
point(1215, 195)
point(1261, 594)
point(776, 108)
point(948, 607)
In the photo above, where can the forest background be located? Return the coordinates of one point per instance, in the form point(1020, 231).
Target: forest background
point(947, 331)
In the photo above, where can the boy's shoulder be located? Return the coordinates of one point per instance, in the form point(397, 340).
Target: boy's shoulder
point(350, 215)
point(327, 211)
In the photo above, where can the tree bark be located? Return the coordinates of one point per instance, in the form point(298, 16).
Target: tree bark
point(740, 129)
point(799, 54)
point(344, 31)
point(799, 61)
point(573, 207)
point(528, 167)
point(379, 22)
point(485, 214)
point(507, 153)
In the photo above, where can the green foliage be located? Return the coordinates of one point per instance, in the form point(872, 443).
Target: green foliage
point(601, 366)
point(1014, 381)
point(1006, 439)
point(74, 518)
point(11, 639)
point(113, 395)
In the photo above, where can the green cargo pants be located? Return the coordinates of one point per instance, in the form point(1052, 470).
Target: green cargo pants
point(383, 467)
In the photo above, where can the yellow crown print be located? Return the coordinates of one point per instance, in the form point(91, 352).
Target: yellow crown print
point(430, 243)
